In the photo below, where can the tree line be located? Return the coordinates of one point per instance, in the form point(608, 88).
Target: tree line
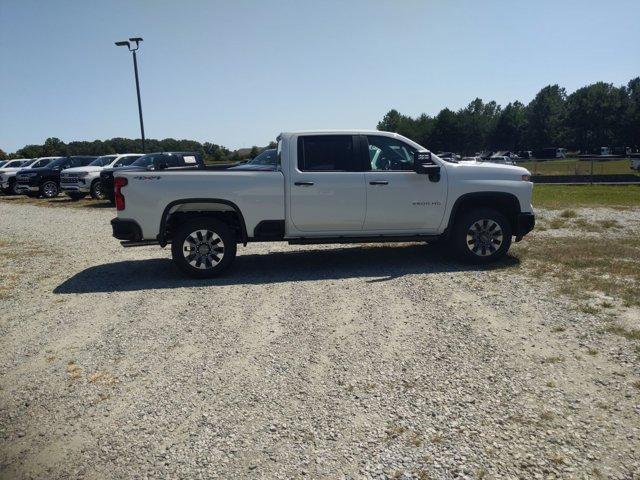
point(54, 147)
point(593, 116)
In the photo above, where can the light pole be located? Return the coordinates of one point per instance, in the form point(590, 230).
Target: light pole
point(127, 44)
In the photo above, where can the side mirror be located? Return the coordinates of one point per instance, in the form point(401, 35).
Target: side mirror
point(151, 167)
point(423, 164)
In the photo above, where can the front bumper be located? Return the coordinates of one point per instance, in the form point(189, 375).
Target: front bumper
point(25, 187)
point(524, 224)
point(75, 187)
point(126, 230)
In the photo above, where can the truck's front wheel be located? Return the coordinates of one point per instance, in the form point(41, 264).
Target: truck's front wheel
point(481, 235)
point(203, 248)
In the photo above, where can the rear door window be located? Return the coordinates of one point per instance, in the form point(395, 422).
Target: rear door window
point(328, 153)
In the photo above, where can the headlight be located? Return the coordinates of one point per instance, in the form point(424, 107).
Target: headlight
point(82, 174)
point(526, 177)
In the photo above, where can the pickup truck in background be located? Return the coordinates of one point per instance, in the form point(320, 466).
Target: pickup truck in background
point(78, 182)
point(328, 187)
point(8, 176)
point(149, 162)
point(45, 181)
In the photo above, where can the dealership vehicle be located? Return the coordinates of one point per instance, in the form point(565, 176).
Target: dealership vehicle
point(330, 187)
point(150, 162)
point(78, 182)
point(45, 181)
point(267, 160)
point(634, 161)
point(8, 178)
point(16, 164)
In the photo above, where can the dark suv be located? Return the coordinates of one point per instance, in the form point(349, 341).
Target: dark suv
point(150, 162)
point(45, 181)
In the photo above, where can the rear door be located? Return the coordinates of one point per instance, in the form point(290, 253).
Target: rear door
point(398, 198)
point(327, 192)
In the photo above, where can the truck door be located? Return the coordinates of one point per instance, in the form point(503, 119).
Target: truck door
point(398, 198)
point(327, 193)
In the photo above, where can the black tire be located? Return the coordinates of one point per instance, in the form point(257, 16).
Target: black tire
point(49, 189)
point(76, 195)
point(96, 190)
point(12, 187)
point(207, 235)
point(481, 235)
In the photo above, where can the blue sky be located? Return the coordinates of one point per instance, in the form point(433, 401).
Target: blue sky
point(238, 72)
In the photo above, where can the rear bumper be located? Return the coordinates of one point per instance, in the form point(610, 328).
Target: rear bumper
point(126, 230)
point(524, 224)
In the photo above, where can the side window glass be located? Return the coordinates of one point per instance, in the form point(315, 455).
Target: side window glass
point(325, 153)
point(389, 154)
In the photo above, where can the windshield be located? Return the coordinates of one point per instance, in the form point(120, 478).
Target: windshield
point(14, 163)
point(102, 161)
point(268, 157)
point(58, 162)
point(41, 163)
point(2, 163)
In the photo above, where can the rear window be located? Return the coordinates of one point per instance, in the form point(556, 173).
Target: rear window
point(325, 153)
point(124, 161)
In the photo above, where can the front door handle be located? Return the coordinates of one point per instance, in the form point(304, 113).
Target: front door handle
point(303, 184)
point(379, 182)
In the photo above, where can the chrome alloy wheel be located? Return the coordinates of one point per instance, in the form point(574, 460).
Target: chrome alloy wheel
point(484, 237)
point(50, 189)
point(203, 249)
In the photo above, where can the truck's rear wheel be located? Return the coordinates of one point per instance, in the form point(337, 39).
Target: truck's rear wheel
point(203, 248)
point(482, 235)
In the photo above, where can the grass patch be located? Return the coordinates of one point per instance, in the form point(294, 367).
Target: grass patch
point(610, 266)
point(553, 359)
point(567, 196)
point(568, 214)
point(632, 334)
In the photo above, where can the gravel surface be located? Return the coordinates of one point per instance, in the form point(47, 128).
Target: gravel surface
point(303, 362)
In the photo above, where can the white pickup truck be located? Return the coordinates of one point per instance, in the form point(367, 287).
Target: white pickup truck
point(327, 187)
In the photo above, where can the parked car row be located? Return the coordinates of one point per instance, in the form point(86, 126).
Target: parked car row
point(79, 176)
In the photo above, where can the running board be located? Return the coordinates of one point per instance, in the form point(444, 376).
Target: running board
point(368, 239)
point(143, 243)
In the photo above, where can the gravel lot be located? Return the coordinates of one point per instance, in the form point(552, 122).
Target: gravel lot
point(317, 362)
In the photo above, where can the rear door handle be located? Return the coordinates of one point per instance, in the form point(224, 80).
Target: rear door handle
point(379, 182)
point(303, 184)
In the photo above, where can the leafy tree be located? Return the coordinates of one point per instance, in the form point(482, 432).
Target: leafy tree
point(545, 117)
point(594, 115)
point(3, 155)
point(255, 151)
point(511, 127)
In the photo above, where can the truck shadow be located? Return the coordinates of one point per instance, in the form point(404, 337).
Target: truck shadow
point(372, 263)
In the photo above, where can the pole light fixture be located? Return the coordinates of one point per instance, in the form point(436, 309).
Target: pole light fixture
point(128, 44)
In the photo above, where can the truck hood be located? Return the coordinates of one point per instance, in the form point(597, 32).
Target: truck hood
point(490, 171)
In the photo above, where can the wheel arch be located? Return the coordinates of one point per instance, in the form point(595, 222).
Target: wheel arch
point(189, 208)
point(506, 203)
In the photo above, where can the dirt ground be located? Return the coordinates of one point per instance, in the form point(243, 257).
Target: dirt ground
point(347, 361)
